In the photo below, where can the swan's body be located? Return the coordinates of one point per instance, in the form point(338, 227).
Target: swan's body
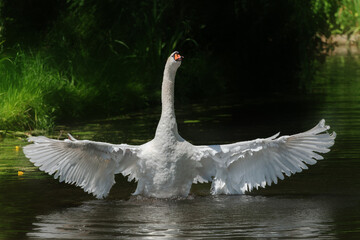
point(168, 165)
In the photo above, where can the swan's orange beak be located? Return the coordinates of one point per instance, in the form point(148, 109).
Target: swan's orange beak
point(178, 57)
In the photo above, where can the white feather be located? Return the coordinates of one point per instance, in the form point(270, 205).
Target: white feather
point(248, 165)
point(90, 165)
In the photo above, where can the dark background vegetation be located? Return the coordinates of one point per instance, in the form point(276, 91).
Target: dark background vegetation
point(62, 60)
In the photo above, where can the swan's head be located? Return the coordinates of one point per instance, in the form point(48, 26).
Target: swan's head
point(174, 61)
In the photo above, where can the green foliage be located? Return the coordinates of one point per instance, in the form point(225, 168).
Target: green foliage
point(21, 92)
point(343, 16)
point(326, 10)
point(2, 56)
point(128, 62)
point(89, 58)
point(32, 94)
point(348, 17)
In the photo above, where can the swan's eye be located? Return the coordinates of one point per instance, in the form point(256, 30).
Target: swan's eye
point(177, 57)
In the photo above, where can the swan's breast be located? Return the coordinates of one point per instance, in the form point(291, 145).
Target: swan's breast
point(166, 169)
point(166, 159)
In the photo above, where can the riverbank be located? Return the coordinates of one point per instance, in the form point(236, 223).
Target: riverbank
point(343, 44)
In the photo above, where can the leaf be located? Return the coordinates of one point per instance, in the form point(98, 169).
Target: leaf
point(192, 121)
point(122, 43)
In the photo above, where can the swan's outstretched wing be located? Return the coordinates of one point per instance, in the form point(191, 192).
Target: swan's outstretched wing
point(242, 166)
point(88, 164)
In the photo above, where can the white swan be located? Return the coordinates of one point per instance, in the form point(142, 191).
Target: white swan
point(168, 165)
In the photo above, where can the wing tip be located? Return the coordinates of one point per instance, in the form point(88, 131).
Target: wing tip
point(322, 125)
point(274, 136)
point(333, 134)
point(71, 137)
point(319, 128)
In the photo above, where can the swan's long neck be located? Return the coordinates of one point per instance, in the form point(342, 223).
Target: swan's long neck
point(167, 127)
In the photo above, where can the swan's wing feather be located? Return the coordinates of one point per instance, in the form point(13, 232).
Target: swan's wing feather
point(242, 166)
point(87, 164)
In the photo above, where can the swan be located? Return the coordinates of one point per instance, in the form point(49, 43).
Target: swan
point(168, 165)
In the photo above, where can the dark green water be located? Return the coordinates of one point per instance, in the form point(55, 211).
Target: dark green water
point(322, 202)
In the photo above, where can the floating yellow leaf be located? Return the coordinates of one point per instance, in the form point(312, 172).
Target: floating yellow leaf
point(20, 173)
point(17, 148)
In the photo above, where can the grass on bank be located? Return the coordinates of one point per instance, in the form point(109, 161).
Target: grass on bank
point(32, 94)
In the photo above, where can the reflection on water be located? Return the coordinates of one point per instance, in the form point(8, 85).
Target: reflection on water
point(209, 217)
point(322, 202)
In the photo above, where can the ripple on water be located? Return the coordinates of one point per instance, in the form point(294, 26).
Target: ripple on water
point(203, 217)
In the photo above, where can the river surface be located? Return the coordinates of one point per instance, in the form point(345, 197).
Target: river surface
point(322, 202)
